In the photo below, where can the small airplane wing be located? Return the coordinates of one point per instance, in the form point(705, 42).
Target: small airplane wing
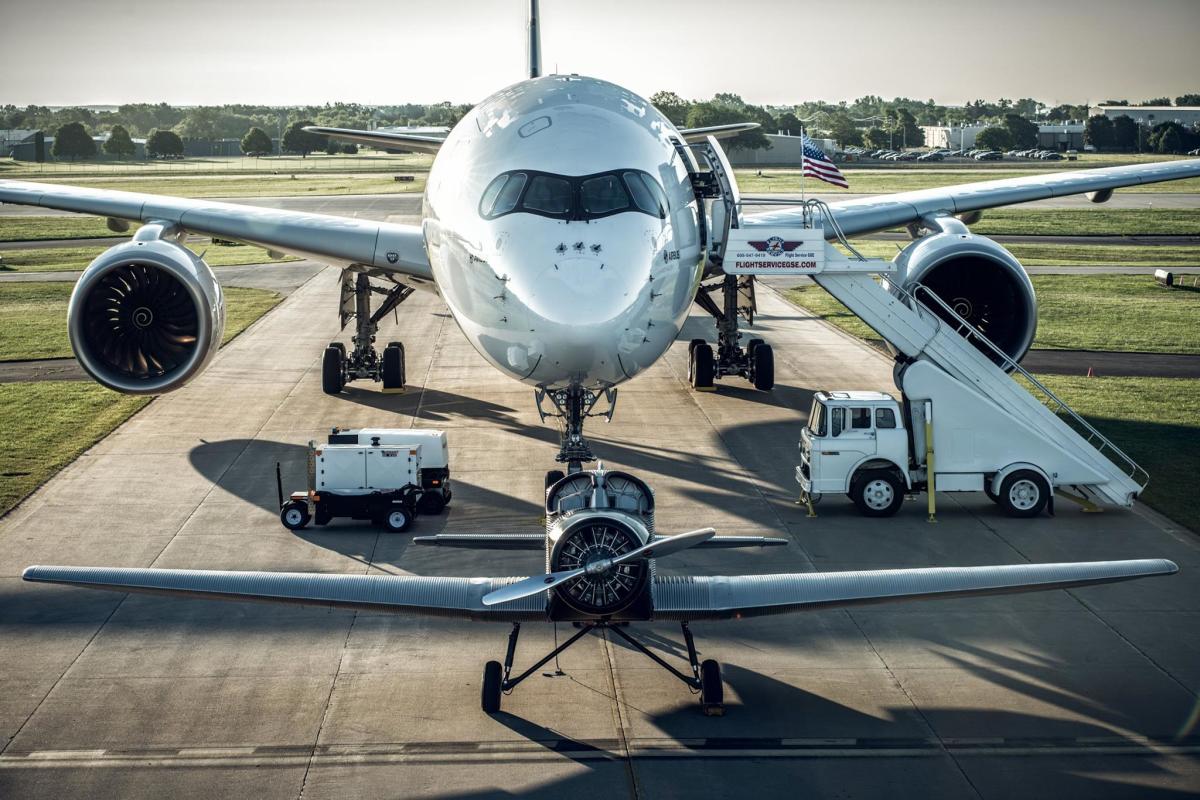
point(391, 140)
point(460, 598)
point(869, 214)
point(717, 131)
point(380, 248)
point(736, 596)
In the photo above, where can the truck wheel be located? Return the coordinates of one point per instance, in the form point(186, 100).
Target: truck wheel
point(332, 379)
point(763, 360)
point(393, 367)
point(700, 367)
point(431, 503)
point(294, 515)
point(1024, 494)
point(397, 519)
point(877, 493)
point(987, 489)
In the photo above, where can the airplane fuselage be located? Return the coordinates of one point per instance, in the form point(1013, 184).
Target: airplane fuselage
point(558, 258)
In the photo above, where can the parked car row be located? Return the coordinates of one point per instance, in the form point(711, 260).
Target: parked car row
point(977, 154)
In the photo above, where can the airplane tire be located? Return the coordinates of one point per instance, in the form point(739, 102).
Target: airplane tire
point(692, 345)
point(554, 476)
point(339, 346)
point(397, 519)
point(763, 359)
point(393, 367)
point(750, 345)
point(294, 515)
point(332, 378)
point(493, 679)
point(700, 367)
point(877, 493)
point(712, 692)
point(1024, 494)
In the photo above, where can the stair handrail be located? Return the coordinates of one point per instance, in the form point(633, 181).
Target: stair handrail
point(1008, 363)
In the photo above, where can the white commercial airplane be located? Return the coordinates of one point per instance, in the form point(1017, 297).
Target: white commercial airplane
point(567, 227)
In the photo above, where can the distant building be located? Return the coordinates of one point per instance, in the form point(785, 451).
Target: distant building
point(1053, 136)
point(26, 148)
point(1187, 116)
point(785, 152)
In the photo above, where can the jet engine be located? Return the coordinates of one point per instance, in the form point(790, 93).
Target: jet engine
point(980, 280)
point(147, 315)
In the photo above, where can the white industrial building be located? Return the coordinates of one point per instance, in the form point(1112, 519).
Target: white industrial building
point(785, 151)
point(1187, 116)
point(1052, 136)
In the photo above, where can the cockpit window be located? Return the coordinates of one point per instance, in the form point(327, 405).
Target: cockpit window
point(582, 198)
point(603, 194)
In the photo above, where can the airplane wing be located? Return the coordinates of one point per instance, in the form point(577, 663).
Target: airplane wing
point(736, 596)
point(869, 214)
point(716, 131)
point(379, 248)
point(675, 598)
point(461, 598)
point(392, 140)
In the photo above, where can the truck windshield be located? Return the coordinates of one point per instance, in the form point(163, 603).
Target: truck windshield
point(816, 419)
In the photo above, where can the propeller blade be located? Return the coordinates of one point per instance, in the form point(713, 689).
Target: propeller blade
point(666, 545)
point(530, 586)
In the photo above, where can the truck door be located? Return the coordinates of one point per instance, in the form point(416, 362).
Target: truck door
point(852, 438)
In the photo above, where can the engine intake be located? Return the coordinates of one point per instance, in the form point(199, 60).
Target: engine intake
point(146, 317)
point(981, 281)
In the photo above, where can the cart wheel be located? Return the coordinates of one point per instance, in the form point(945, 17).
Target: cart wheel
point(762, 357)
point(700, 367)
point(294, 515)
point(1024, 494)
point(877, 493)
point(712, 692)
point(431, 503)
point(332, 377)
point(393, 367)
point(397, 519)
point(493, 678)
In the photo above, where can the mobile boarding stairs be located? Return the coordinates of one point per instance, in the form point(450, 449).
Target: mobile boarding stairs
point(1086, 467)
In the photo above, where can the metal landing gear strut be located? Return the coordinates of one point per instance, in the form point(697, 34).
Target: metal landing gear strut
point(573, 405)
point(755, 362)
point(339, 367)
point(705, 678)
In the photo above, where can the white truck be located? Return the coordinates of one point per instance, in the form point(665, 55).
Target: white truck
point(943, 436)
point(384, 475)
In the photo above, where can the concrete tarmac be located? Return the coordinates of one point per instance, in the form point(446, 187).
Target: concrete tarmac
point(1082, 693)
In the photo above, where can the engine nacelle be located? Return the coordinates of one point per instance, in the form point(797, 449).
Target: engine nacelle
point(146, 316)
point(980, 280)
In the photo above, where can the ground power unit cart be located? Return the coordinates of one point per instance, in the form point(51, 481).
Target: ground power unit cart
point(378, 474)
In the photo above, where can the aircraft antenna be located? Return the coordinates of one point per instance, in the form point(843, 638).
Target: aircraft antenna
point(535, 41)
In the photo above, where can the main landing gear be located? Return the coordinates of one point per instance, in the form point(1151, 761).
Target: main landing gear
point(339, 367)
point(755, 362)
point(704, 680)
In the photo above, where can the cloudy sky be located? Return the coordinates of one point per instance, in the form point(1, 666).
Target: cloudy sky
point(769, 51)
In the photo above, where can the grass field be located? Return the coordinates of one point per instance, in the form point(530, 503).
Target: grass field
point(1127, 313)
point(1066, 255)
point(1088, 222)
point(1155, 420)
point(33, 317)
point(46, 425)
point(53, 259)
point(364, 161)
point(30, 229)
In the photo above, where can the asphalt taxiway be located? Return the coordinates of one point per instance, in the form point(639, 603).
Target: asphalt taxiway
point(1082, 693)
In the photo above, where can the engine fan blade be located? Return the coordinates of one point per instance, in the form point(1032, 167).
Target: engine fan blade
point(656, 548)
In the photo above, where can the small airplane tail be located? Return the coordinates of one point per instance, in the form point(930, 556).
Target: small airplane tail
point(534, 45)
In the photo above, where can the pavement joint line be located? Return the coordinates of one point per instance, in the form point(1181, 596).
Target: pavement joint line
point(618, 713)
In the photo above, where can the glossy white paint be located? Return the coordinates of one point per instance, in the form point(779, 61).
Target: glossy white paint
point(553, 302)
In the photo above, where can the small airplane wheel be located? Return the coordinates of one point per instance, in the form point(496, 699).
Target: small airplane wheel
point(393, 367)
point(700, 367)
point(712, 692)
point(332, 376)
point(554, 476)
point(493, 678)
point(397, 519)
point(294, 515)
point(762, 359)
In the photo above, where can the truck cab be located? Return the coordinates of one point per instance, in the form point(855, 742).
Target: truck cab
point(856, 443)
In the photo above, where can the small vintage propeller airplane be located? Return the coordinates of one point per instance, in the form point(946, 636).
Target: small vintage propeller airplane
point(600, 547)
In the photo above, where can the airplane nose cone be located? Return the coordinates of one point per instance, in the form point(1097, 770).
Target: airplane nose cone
point(582, 290)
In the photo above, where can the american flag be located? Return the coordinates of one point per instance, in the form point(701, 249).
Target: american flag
point(818, 165)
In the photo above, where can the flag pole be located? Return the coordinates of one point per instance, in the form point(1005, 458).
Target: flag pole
point(802, 201)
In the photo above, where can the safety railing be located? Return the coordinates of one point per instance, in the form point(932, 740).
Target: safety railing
point(1093, 437)
point(808, 213)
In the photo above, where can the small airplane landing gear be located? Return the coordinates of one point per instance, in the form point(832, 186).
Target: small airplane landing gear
point(705, 678)
point(338, 367)
point(755, 362)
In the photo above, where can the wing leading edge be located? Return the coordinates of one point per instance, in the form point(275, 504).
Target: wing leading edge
point(389, 140)
point(675, 597)
point(869, 214)
point(382, 247)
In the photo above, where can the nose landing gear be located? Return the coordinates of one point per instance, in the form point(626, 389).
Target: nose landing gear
point(573, 405)
point(339, 367)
